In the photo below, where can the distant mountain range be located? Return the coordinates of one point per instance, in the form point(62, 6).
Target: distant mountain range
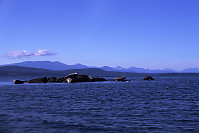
point(30, 71)
point(58, 66)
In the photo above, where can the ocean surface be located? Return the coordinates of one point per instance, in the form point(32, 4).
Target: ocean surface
point(168, 104)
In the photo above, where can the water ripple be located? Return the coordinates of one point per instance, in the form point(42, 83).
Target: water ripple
point(164, 105)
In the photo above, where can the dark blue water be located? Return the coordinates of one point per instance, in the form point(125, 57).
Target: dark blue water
point(164, 105)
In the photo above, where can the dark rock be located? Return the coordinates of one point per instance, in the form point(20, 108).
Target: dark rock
point(19, 82)
point(123, 78)
point(98, 79)
point(70, 80)
point(72, 75)
point(83, 78)
point(62, 79)
point(39, 80)
point(148, 78)
point(52, 79)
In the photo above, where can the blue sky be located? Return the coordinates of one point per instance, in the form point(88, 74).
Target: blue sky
point(154, 34)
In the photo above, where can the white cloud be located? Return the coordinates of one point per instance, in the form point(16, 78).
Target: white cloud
point(43, 52)
point(19, 54)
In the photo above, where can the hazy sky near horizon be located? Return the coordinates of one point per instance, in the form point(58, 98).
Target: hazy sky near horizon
point(154, 34)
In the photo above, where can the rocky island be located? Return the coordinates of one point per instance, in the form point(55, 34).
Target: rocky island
point(71, 78)
point(74, 78)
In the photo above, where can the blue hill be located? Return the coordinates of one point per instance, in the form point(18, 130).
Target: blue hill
point(56, 65)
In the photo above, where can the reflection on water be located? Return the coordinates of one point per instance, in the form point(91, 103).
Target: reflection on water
point(163, 105)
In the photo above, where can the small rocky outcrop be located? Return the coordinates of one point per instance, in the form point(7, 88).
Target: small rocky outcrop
point(148, 78)
point(19, 82)
point(39, 80)
point(123, 78)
